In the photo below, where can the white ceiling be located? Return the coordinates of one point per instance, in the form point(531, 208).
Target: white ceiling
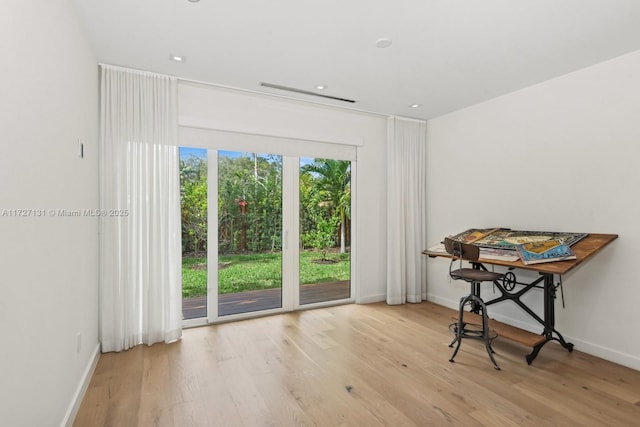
point(446, 54)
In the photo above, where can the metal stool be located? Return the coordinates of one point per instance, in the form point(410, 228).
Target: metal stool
point(466, 330)
point(475, 276)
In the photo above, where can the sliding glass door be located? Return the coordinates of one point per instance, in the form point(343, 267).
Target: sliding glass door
point(194, 167)
point(262, 232)
point(249, 232)
point(325, 230)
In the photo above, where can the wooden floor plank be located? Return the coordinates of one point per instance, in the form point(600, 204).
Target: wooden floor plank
point(368, 365)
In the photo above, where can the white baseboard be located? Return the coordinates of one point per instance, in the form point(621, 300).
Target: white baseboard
point(370, 299)
point(72, 411)
point(443, 302)
point(624, 359)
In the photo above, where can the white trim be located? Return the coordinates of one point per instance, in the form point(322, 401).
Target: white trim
point(371, 299)
point(234, 140)
point(138, 71)
point(74, 406)
point(212, 250)
point(290, 232)
point(407, 119)
point(324, 304)
point(208, 124)
point(279, 96)
point(452, 304)
point(247, 315)
point(624, 359)
point(195, 322)
point(192, 82)
point(353, 274)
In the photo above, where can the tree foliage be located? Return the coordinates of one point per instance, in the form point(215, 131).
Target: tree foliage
point(193, 192)
point(249, 203)
point(330, 188)
point(323, 237)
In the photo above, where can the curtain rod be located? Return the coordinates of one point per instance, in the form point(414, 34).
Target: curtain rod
point(408, 119)
point(269, 94)
point(275, 95)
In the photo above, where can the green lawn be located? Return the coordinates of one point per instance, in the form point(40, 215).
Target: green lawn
point(259, 271)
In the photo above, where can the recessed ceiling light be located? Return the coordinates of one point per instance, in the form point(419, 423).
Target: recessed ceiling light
point(321, 87)
point(383, 42)
point(177, 58)
point(194, 1)
point(415, 105)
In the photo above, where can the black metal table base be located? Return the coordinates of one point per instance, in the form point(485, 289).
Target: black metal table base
point(531, 356)
point(508, 293)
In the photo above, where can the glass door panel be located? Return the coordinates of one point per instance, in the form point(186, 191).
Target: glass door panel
point(193, 209)
point(249, 232)
point(325, 224)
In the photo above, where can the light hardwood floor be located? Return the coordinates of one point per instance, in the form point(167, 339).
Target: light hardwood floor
point(360, 365)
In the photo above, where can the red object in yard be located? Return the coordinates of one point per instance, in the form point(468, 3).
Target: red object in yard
point(243, 206)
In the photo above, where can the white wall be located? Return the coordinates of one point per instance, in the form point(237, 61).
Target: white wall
point(215, 108)
point(48, 265)
point(559, 156)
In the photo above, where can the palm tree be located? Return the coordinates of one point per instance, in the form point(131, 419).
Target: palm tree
point(333, 179)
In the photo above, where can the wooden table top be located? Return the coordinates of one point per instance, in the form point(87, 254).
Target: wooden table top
point(584, 249)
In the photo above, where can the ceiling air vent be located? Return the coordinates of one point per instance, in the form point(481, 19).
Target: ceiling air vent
point(304, 92)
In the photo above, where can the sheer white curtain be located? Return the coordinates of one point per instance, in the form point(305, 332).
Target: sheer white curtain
point(140, 246)
point(406, 210)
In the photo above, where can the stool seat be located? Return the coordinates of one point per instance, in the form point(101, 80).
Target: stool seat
point(469, 274)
